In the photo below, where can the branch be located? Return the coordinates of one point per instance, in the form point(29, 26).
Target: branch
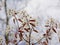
point(39, 40)
point(5, 5)
point(29, 27)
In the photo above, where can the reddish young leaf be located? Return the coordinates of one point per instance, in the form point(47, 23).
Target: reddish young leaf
point(44, 34)
point(32, 44)
point(56, 25)
point(47, 40)
point(14, 20)
point(45, 43)
point(15, 13)
point(35, 31)
point(32, 20)
point(24, 24)
point(16, 44)
point(54, 30)
point(14, 41)
point(48, 31)
point(16, 35)
point(27, 29)
point(21, 36)
point(20, 20)
point(32, 24)
point(21, 31)
point(20, 27)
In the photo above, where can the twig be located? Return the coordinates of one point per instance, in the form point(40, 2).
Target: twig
point(29, 27)
point(39, 40)
point(5, 5)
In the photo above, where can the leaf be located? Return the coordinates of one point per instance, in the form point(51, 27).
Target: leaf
point(32, 44)
point(45, 43)
point(21, 31)
point(20, 27)
point(14, 41)
point(32, 24)
point(35, 31)
point(6, 37)
point(24, 24)
point(27, 29)
point(47, 40)
point(32, 20)
point(26, 35)
point(21, 36)
point(16, 35)
point(14, 20)
point(54, 30)
point(20, 20)
point(48, 31)
point(44, 34)
point(56, 25)
point(15, 13)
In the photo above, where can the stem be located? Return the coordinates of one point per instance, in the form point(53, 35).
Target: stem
point(5, 5)
point(18, 27)
point(30, 36)
point(39, 40)
point(29, 27)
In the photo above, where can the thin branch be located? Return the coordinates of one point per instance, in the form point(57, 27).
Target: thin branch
point(39, 40)
point(26, 40)
point(29, 27)
point(5, 5)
